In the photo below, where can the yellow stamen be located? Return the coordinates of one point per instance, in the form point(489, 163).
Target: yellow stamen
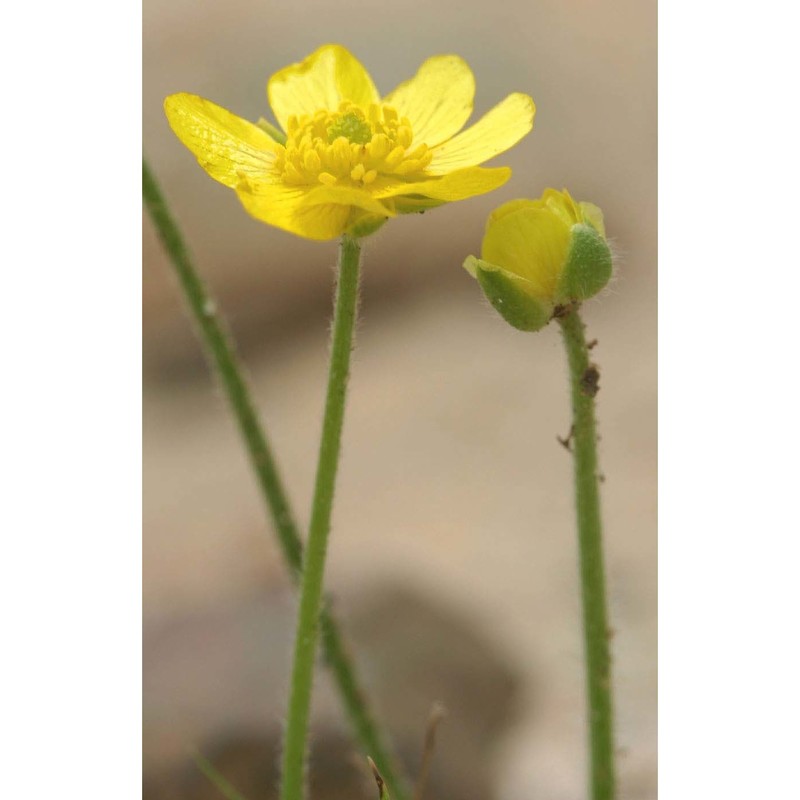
point(404, 136)
point(394, 158)
point(380, 146)
point(350, 146)
point(311, 161)
point(408, 166)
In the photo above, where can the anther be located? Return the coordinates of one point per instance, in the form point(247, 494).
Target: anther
point(292, 174)
point(394, 158)
point(404, 136)
point(379, 146)
point(311, 161)
point(408, 166)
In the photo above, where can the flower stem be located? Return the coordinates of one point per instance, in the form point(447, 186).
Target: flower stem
point(294, 745)
point(222, 355)
point(583, 383)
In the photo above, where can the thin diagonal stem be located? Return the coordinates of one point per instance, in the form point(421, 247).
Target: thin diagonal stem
point(307, 631)
point(583, 385)
point(221, 353)
point(225, 787)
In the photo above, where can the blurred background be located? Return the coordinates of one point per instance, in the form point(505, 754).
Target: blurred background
point(453, 552)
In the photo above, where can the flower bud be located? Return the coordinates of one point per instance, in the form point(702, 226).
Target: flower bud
point(541, 254)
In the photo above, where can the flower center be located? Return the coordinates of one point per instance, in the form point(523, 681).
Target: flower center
point(350, 147)
point(353, 127)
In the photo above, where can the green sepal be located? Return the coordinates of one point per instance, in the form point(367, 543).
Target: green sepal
point(364, 224)
point(506, 293)
point(274, 133)
point(415, 204)
point(588, 268)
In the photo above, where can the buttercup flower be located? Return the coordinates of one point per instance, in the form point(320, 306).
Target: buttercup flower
point(350, 160)
point(540, 254)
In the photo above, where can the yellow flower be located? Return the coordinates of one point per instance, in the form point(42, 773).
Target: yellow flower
point(350, 160)
point(540, 254)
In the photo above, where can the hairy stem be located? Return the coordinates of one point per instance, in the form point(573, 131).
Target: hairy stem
point(221, 353)
point(295, 740)
point(583, 385)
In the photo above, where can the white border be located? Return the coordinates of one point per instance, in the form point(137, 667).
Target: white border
point(71, 583)
point(71, 400)
point(729, 349)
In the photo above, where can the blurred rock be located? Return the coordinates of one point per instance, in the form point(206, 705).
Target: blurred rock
point(216, 680)
point(417, 652)
point(250, 764)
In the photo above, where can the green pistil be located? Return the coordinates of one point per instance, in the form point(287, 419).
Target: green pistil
point(352, 127)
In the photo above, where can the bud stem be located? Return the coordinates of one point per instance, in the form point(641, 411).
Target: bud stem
point(583, 384)
point(307, 633)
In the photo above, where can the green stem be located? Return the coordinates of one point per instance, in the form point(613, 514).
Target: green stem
point(221, 350)
point(294, 745)
point(222, 355)
point(225, 787)
point(583, 383)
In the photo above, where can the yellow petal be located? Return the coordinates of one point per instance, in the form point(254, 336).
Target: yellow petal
point(509, 208)
point(562, 204)
point(497, 131)
point(282, 206)
point(322, 81)
point(457, 185)
point(531, 243)
point(348, 196)
point(228, 147)
point(594, 216)
point(437, 100)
